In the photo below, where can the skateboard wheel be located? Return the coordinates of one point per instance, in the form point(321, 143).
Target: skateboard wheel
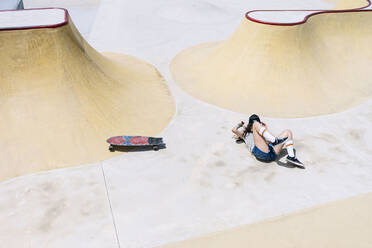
point(156, 148)
point(111, 148)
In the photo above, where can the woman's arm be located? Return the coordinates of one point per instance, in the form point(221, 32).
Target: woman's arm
point(236, 131)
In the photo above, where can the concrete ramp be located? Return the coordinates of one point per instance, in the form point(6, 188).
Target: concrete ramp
point(348, 4)
point(60, 99)
point(341, 224)
point(295, 64)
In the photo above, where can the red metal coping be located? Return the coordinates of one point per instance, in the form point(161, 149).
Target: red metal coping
point(360, 9)
point(37, 27)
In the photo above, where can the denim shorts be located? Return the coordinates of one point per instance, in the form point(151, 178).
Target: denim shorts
point(264, 156)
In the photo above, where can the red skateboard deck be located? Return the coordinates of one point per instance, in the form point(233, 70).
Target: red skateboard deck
point(155, 143)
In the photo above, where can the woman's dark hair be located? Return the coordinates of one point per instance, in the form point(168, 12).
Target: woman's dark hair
point(252, 119)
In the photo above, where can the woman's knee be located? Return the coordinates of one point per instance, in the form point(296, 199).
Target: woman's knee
point(289, 133)
point(256, 126)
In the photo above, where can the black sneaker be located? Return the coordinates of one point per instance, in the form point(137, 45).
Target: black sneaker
point(295, 161)
point(279, 141)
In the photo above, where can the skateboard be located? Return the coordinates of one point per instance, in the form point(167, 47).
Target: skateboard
point(135, 141)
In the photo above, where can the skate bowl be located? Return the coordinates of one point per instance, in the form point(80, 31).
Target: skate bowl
point(284, 63)
point(61, 99)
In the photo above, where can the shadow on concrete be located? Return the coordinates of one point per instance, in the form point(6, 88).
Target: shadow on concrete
point(282, 154)
point(137, 148)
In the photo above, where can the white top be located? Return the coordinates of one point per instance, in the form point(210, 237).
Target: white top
point(249, 141)
point(31, 18)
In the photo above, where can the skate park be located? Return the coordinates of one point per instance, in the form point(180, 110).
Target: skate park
point(77, 193)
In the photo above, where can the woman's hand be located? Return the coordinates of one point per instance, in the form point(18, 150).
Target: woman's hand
point(237, 132)
point(239, 125)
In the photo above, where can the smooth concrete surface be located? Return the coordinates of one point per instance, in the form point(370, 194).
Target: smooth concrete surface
point(214, 185)
point(347, 4)
point(280, 16)
point(348, 224)
point(31, 18)
point(57, 209)
point(203, 182)
point(83, 12)
point(11, 4)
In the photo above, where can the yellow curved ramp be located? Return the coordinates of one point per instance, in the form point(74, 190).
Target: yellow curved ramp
point(316, 65)
point(348, 4)
point(342, 224)
point(60, 99)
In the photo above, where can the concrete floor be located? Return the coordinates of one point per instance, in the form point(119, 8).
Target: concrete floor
point(203, 182)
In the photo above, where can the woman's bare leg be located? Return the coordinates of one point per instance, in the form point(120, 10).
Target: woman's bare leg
point(288, 144)
point(285, 134)
point(259, 141)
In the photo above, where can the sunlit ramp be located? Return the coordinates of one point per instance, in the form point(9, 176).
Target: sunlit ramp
point(60, 99)
point(284, 64)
